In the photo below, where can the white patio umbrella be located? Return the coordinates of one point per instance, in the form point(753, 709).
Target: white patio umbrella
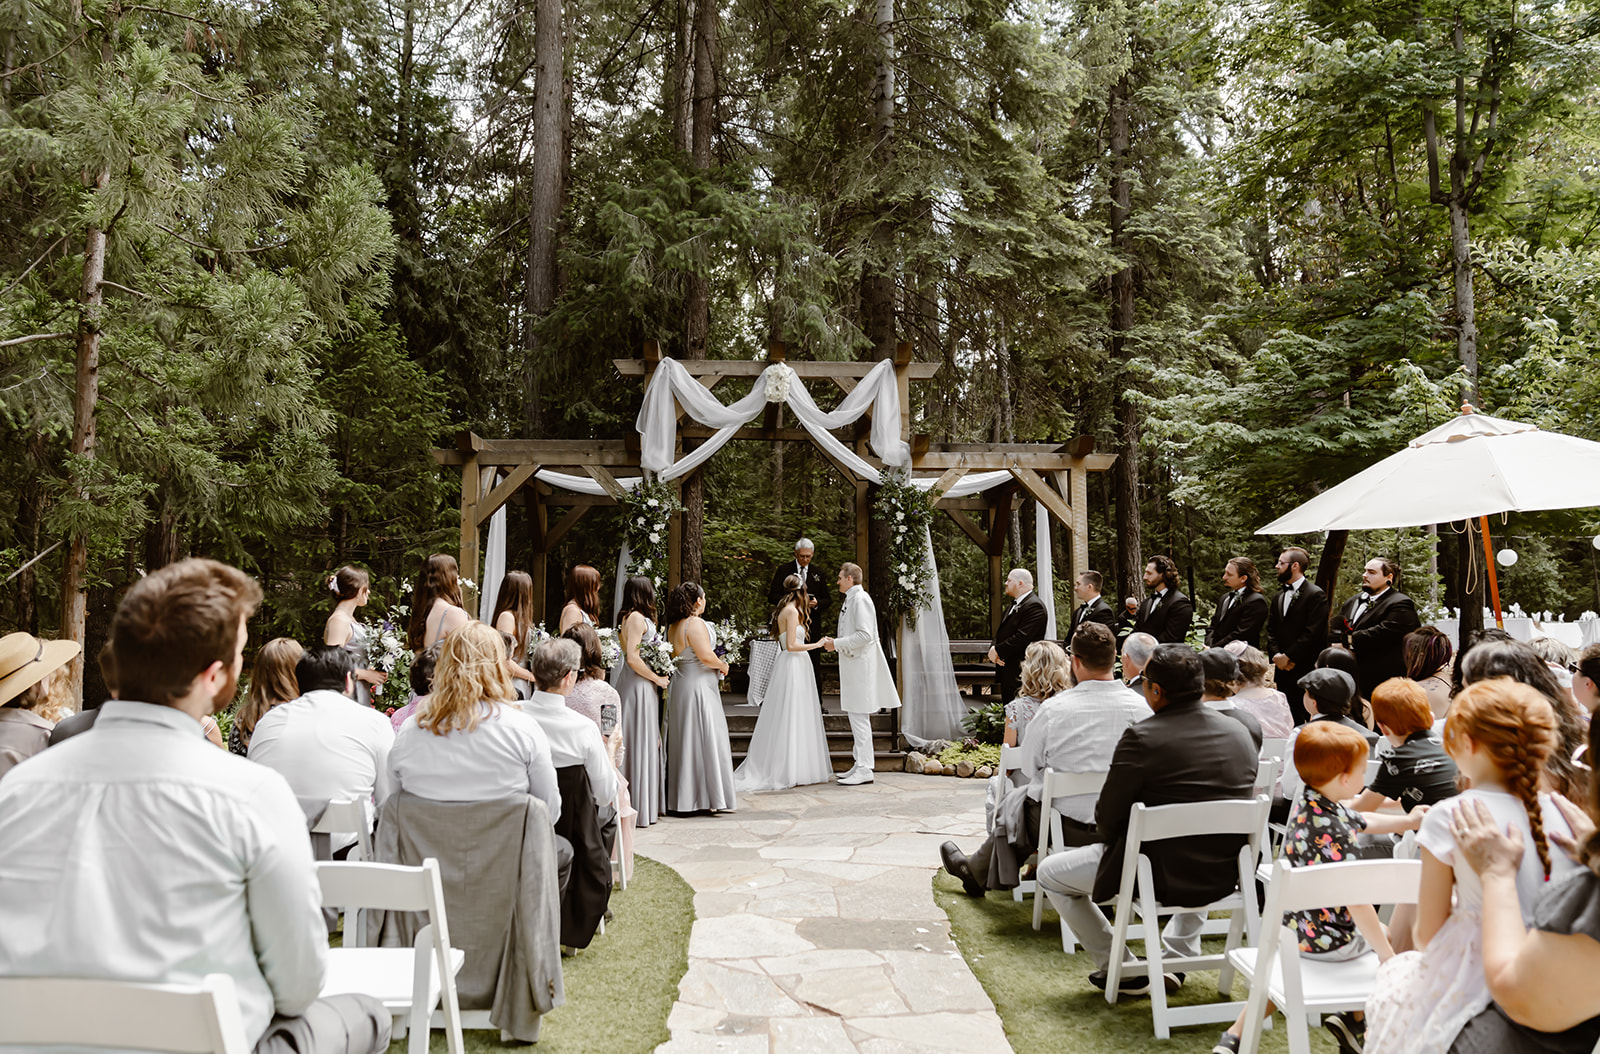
point(1468, 468)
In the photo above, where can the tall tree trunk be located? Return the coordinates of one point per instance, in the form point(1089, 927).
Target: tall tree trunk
point(697, 288)
point(680, 90)
point(877, 280)
point(1328, 564)
point(544, 200)
point(1130, 555)
point(1005, 431)
point(1473, 590)
point(1465, 311)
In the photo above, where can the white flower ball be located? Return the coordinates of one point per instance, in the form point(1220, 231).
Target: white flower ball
point(655, 536)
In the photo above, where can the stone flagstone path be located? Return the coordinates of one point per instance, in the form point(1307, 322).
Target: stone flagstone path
point(816, 928)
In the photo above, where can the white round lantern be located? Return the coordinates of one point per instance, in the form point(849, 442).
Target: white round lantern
point(1506, 557)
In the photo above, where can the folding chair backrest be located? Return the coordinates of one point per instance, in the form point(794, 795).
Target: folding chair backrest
point(1246, 816)
point(1275, 748)
point(389, 887)
point(181, 1019)
point(1069, 784)
point(1373, 765)
point(344, 816)
point(1267, 774)
point(1342, 884)
point(1010, 759)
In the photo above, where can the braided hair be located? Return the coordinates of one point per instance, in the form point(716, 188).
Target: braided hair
point(1517, 726)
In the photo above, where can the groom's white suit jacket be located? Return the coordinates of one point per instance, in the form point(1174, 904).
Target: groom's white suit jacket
point(865, 684)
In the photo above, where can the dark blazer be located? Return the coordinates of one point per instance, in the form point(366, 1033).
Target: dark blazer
point(1242, 621)
point(820, 586)
point(1168, 623)
point(1300, 633)
point(1099, 611)
point(1187, 752)
point(588, 891)
point(1377, 637)
point(1020, 627)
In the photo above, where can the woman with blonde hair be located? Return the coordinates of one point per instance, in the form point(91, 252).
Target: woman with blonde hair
point(30, 704)
point(471, 742)
point(272, 681)
point(1045, 672)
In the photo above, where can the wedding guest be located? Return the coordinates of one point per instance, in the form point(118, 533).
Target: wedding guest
point(1417, 771)
point(818, 588)
point(574, 739)
point(1427, 656)
point(1256, 696)
point(471, 743)
point(1562, 660)
point(1045, 672)
point(596, 700)
point(513, 616)
point(420, 681)
point(639, 688)
point(1023, 623)
point(1165, 613)
point(583, 598)
point(699, 754)
point(1374, 622)
point(1242, 610)
point(28, 668)
point(139, 853)
point(1472, 640)
point(272, 681)
point(1516, 660)
point(865, 683)
point(436, 604)
point(1136, 651)
point(1221, 674)
point(1329, 695)
point(353, 588)
point(1338, 657)
point(83, 720)
point(328, 746)
point(1297, 627)
point(1586, 679)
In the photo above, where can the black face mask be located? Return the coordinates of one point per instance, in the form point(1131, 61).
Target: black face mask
point(1283, 576)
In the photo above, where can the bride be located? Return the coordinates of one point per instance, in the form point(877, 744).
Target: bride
point(788, 747)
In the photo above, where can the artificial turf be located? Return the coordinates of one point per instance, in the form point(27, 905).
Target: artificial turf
point(621, 988)
point(1044, 997)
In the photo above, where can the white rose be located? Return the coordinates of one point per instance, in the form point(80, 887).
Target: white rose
point(655, 536)
point(652, 503)
point(900, 516)
point(645, 566)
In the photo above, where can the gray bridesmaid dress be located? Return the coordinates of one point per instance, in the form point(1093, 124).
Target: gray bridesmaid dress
point(641, 733)
point(699, 756)
point(359, 645)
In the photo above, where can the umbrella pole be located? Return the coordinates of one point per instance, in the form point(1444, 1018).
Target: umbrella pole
point(1494, 579)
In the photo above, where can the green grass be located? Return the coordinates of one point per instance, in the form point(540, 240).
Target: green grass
point(620, 988)
point(1045, 999)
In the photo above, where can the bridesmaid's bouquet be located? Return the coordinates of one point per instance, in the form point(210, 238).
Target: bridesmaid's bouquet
point(390, 654)
point(657, 654)
point(730, 636)
point(610, 648)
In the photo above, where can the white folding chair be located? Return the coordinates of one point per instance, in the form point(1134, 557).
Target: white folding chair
point(1267, 771)
point(409, 981)
point(1304, 987)
point(180, 1019)
point(346, 816)
point(1136, 897)
point(1011, 761)
point(1059, 785)
point(1274, 748)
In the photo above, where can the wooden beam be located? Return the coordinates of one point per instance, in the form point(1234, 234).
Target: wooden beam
point(1000, 461)
point(467, 555)
point(1043, 493)
point(902, 366)
point(553, 536)
point(999, 516)
point(539, 570)
point(863, 527)
point(563, 499)
point(848, 384)
point(950, 478)
point(502, 494)
point(595, 454)
point(809, 370)
point(606, 480)
point(964, 521)
point(971, 503)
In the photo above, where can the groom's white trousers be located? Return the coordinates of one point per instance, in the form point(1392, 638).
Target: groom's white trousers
point(861, 732)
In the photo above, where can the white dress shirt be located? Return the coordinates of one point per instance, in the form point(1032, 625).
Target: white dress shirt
point(1077, 731)
point(574, 740)
point(507, 754)
point(329, 747)
point(138, 851)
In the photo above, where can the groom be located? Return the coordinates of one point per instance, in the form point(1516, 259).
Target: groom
point(865, 684)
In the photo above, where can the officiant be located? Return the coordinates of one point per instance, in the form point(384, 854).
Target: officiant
point(819, 589)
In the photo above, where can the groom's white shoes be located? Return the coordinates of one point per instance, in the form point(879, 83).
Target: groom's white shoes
point(855, 777)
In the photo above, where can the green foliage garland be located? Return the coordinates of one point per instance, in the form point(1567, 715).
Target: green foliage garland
point(909, 512)
point(650, 506)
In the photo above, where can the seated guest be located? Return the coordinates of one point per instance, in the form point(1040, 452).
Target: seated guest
point(1256, 695)
point(1222, 673)
point(328, 746)
point(574, 739)
point(471, 743)
point(1183, 752)
point(1044, 673)
point(1586, 679)
point(598, 701)
point(1328, 695)
point(271, 682)
point(1427, 654)
point(1338, 657)
point(420, 681)
point(1136, 651)
point(84, 719)
point(28, 668)
point(139, 853)
point(1562, 660)
point(1074, 731)
point(1491, 658)
point(1417, 771)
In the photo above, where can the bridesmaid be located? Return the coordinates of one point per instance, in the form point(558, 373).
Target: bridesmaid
point(513, 616)
point(699, 756)
point(639, 689)
point(353, 587)
point(583, 598)
point(436, 610)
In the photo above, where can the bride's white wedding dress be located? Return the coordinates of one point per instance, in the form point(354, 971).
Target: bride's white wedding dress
point(788, 747)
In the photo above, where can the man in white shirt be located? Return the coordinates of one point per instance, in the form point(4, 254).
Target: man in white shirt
point(574, 739)
point(137, 851)
point(328, 746)
point(1074, 731)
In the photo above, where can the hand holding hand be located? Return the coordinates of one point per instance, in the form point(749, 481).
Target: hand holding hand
point(1486, 850)
point(827, 644)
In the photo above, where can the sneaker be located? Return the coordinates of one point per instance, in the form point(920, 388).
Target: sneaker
point(1173, 981)
point(1349, 1031)
point(1132, 984)
point(1228, 1044)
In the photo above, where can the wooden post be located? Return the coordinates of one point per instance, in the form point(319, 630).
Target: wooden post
point(467, 557)
point(674, 546)
point(1494, 576)
point(539, 571)
point(863, 527)
point(999, 513)
point(902, 359)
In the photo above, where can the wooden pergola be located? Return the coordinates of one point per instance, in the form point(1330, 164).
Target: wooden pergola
point(495, 470)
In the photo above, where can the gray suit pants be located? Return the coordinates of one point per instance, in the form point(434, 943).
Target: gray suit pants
point(1067, 878)
point(338, 1024)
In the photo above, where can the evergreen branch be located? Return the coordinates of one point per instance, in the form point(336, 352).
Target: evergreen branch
point(218, 249)
point(125, 289)
point(33, 337)
point(49, 58)
point(30, 267)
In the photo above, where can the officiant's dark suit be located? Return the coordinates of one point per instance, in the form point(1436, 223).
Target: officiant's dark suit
point(1239, 616)
point(819, 587)
point(1022, 624)
point(1374, 632)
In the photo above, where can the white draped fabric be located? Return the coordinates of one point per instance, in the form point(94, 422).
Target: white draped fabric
point(494, 567)
point(933, 707)
point(1044, 568)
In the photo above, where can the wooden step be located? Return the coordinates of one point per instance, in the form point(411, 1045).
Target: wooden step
point(888, 757)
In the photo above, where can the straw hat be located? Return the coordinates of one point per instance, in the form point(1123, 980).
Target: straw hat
point(25, 660)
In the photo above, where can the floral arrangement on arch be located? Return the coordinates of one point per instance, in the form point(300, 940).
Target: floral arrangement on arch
point(909, 512)
point(650, 506)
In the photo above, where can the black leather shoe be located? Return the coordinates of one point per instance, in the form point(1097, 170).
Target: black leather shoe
point(1132, 984)
point(955, 862)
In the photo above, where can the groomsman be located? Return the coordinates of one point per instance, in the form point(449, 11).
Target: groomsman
point(1374, 623)
point(1242, 610)
point(1297, 628)
point(1165, 613)
point(1094, 608)
point(1022, 624)
point(819, 590)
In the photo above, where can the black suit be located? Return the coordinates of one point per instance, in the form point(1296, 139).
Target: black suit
point(1238, 619)
point(1096, 610)
point(1186, 752)
point(1168, 621)
point(1300, 633)
point(821, 587)
point(1376, 636)
point(1022, 624)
